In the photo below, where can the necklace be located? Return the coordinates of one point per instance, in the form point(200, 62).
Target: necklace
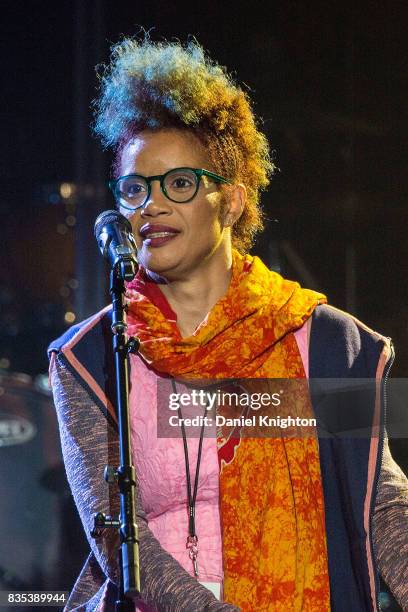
point(192, 539)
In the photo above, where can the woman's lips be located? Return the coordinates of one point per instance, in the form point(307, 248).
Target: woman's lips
point(157, 239)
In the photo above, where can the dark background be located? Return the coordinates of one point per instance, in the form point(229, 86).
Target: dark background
point(329, 81)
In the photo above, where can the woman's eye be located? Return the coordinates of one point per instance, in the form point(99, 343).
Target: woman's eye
point(182, 182)
point(135, 189)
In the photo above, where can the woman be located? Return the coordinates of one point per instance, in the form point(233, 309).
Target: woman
point(282, 523)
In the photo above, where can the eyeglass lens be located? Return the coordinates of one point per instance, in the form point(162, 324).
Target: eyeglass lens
point(178, 185)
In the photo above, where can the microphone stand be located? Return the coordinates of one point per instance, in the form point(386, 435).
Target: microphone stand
point(124, 475)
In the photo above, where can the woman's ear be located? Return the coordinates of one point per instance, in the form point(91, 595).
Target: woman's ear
point(236, 204)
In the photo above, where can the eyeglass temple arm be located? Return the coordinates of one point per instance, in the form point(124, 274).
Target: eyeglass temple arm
point(216, 177)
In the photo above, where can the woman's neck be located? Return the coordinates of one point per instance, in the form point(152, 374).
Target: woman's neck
point(192, 297)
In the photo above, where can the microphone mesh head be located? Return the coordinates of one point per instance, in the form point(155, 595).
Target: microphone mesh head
point(110, 216)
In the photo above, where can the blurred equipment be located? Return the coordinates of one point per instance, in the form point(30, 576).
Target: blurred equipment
point(34, 493)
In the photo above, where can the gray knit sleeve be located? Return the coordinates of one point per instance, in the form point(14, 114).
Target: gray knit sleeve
point(89, 443)
point(390, 527)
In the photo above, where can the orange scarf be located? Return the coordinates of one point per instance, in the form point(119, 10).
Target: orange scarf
point(271, 498)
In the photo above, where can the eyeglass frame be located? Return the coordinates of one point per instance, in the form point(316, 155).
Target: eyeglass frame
point(199, 173)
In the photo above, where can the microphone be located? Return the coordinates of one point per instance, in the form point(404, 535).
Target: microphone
point(113, 234)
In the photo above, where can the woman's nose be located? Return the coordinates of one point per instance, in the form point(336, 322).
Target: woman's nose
point(156, 203)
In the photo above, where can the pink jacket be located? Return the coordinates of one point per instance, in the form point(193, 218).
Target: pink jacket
point(162, 477)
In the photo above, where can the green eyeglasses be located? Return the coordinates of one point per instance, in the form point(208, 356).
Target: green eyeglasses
point(178, 185)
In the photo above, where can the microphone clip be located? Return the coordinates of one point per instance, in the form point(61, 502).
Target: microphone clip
point(126, 268)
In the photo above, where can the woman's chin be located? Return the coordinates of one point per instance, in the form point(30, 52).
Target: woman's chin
point(159, 263)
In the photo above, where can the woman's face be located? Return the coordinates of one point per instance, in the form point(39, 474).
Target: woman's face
point(194, 231)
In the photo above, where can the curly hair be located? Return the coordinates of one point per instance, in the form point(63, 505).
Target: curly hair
point(155, 85)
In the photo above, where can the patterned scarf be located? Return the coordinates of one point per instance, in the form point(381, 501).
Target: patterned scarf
point(271, 498)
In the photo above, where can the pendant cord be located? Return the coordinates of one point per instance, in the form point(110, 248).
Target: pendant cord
point(192, 540)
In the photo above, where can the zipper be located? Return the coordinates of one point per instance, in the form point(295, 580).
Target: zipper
point(384, 380)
